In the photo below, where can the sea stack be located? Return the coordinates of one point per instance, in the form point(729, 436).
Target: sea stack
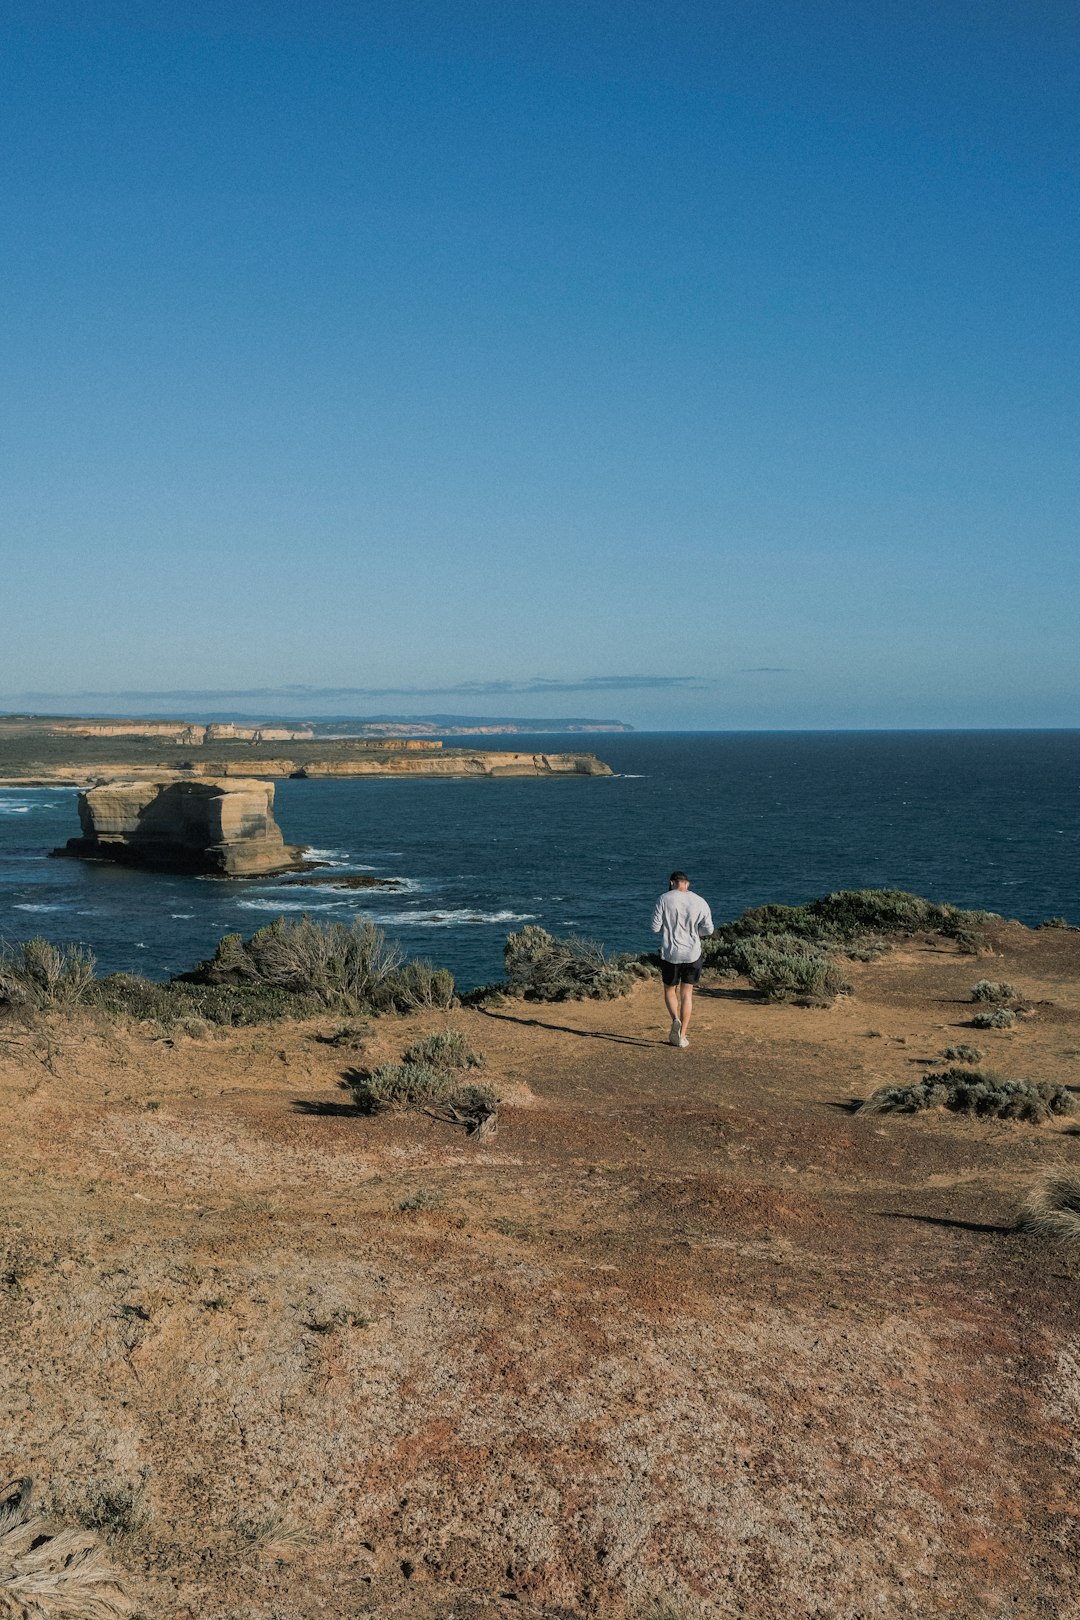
point(219, 827)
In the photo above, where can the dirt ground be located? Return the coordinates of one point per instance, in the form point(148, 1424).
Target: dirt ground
point(687, 1337)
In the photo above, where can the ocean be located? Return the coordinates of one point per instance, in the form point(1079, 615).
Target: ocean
point(987, 819)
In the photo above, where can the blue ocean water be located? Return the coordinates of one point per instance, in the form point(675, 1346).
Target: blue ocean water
point(985, 819)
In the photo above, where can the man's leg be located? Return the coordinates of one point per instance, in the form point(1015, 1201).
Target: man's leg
point(671, 1000)
point(686, 1005)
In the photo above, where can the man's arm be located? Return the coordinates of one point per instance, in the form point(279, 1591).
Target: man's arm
point(705, 922)
point(658, 915)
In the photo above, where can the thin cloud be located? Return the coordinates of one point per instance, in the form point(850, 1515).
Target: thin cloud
point(768, 669)
point(538, 687)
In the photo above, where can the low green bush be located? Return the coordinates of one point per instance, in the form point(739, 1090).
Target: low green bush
point(963, 1053)
point(970, 1091)
point(543, 968)
point(784, 967)
point(38, 976)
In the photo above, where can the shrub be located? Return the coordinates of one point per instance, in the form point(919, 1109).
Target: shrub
point(1054, 922)
point(1000, 1018)
point(970, 1091)
point(964, 1053)
point(543, 968)
point(344, 965)
point(1052, 1207)
point(994, 990)
point(40, 976)
point(127, 995)
point(447, 1049)
point(786, 968)
point(416, 1083)
point(419, 985)
point(401, 1085)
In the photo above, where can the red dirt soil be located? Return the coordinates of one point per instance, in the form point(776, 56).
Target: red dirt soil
point(687, 1337)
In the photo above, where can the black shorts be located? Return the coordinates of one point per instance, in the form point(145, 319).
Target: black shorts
point(681, 972)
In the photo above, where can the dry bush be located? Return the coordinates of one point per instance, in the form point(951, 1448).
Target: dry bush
point(1000, 1018)
point(963, 1053)
point(969, 1091)
point(447, 1049)
point(38, 976)
point(543, 968)
point(995, 990)
point(1052, 1207)
point(52, 1574)
point(418, 986)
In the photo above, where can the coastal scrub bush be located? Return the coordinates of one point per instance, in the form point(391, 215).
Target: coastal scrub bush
point(963, 1053)
point(38, 976)
point(401, 1085)
point(1052, 1207)
point(852, 922)
point(176, 1003)
point(543, 968)
point(970, 1091)
point(784, 967)
point(994, 990)
point(447, 1049)
point(1053, 922)
point(1000, 1018)
point(342, 965)
point(417, 986)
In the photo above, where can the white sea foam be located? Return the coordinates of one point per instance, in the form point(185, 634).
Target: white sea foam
point(331, 857)
point(446, 919)
point(288, 905)
point(182, 916)
point(9, 808)
point(29, 905)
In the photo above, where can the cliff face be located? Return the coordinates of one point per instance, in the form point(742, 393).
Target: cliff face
point(223, 827)
point(494, 764)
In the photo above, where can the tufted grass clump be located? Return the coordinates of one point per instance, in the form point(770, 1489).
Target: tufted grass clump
point(995, 990)
point(541, 967)
point(37, 976)
point(1052, 1207)
point(1000, 1018)
point(970, 1091)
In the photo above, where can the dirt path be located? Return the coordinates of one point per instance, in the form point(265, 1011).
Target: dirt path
point(686, 1331)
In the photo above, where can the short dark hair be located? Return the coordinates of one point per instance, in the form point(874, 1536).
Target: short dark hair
point(676, 878)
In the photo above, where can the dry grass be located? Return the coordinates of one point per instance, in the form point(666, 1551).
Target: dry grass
point(52, 1574)
point(1052, 1207)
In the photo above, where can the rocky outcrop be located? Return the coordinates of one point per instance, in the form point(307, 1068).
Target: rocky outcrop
point(177, 731)
point(226, 731)
point(502, 763)
point(221, 827)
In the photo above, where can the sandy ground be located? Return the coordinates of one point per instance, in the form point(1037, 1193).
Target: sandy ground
point(685, 1338)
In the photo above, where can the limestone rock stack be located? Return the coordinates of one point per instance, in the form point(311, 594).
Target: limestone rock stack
point(225, 827)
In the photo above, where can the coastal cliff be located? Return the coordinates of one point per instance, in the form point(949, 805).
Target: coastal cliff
point(462, 764)
point(217, 827)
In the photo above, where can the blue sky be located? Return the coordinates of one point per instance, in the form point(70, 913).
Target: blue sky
point(715, 363)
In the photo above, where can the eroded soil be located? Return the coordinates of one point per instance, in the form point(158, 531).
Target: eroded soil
point(685, 1337)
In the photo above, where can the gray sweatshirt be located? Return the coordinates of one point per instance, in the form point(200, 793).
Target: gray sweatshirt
point(682, 919)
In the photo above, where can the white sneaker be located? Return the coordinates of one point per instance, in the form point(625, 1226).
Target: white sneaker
point(683, 1041)
point(675, 1038)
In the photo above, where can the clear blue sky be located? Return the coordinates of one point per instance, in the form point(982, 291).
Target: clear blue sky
point(715, 361)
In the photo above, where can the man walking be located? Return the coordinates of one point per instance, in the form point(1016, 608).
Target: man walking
point(682, 919)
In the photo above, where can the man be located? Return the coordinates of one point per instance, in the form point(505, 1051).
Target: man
point(682, 919)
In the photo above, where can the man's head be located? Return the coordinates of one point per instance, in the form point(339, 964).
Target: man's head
point(678, 880)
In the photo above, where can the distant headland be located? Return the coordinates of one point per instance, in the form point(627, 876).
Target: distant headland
point(47, 749)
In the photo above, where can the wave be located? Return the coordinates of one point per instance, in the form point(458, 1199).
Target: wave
point(277, 906)
point(447, 919)
point(8, 808)
point(31, 905)
point(181, 916)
